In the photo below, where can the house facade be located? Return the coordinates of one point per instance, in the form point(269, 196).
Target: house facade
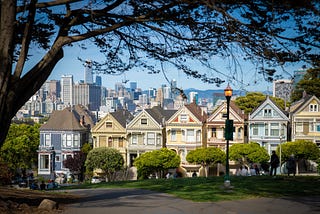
point(146, 132)
point(305, 119)
point(186, 131)
point(216, 126)
point(64, 134)
point(268, 125)
point(111, 131)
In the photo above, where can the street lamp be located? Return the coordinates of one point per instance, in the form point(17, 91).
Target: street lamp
point(281, 137)
point(228, 132)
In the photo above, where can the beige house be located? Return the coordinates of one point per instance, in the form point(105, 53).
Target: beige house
point(186, 131)
point(111, 131)
point(305, 119)
point(146, 132)
point(216, 125)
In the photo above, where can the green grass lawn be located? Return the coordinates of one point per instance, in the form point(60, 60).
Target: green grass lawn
point(212, 188)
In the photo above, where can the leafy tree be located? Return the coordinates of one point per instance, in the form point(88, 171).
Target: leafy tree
point(301, 149)
point(253, 99)
point(248, 153)
point(76, 164)
point(19, 150)
point(136, 33)
point(107, 159)
point(156, 161)
point(6, 174)
point(206, 156)
point(310, 84)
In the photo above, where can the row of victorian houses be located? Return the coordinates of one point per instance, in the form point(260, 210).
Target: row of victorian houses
point(181, 130)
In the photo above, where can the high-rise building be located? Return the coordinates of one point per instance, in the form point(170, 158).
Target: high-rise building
point(298, 75)
point(166, 90)
point(133, 86)
point(193, 97)
point(66, 89)
point(98, 81)
point(88, 95)
point(53, 89)
point(88, 75)
point(282, 89)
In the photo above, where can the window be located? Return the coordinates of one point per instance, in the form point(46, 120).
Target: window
point(198, 136)
point(150, 138)
point(110, 142)
point(47, 140)
point(299, 127)
point(58, 158)
point(313, 107)
point(159, 139)
point(121, 142)
point(266, 129)
point(108, 124)
point(44, 162)
point(144, 122)
point(69, 140)
point(255, 129)
point(190, 135)
point(134, 139)
point(173, 135)
point(274, 129)
point(267, 113)
point(76, 140)
point(183, 118)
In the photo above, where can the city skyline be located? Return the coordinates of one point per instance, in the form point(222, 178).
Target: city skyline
point(70, 65)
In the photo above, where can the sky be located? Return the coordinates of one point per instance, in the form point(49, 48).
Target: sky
point(252, 81)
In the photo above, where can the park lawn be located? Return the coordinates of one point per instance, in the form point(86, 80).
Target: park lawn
point(212, 188)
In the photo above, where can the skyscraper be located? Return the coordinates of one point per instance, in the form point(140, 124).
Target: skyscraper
point(66, 89)
point(88, 75)
point(98, 81)
point(282, 89)
point(88, 95)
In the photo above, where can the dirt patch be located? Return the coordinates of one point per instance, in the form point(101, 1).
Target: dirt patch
point(14, 198)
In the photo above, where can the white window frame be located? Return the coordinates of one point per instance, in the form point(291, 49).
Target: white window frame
point(44, 163)
point(190, 135)
point(151, 138)
point(274, 129)
point(47, 139)
point(313, 108)
point(267, 112)
point(173, 135)
point(299, 127)
point(76, 140)
point(134, 139)
point(183, 118)
point(255, 130)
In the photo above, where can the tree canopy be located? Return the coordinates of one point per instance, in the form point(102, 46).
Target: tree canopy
point(19, 150)
point(248, 153)
point(253, 99)
point(138, 33)
point(310, 84)
point(107, 159)
point(156, 161)
point(206, 156)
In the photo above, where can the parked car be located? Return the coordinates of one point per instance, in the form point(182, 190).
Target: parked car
point(96, 180)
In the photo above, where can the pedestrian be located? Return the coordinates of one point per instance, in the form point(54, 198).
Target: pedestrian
point(291, 165)
point(274, 162)
point(255, 167)
point(42, 185)
point(194, 174)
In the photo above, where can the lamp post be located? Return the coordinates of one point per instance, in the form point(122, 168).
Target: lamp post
point(228, 132)
point(280, 152)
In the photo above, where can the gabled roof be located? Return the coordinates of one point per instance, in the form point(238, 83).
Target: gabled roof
point(76, 118)
point(234, 110)
point(300, 104)
point(159, 114)
point(122, 116)
point(264, 103)
point(197, 111)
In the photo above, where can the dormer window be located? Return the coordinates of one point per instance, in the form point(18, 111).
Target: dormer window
point(267, 113)
point(313, 108)
point(183, 118)
point(108, 124)
point(144, 122)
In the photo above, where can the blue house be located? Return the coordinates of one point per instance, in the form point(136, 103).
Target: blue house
point(268, 125)
point(64, 134)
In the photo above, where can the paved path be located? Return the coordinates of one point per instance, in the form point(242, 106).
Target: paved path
point(136, 201)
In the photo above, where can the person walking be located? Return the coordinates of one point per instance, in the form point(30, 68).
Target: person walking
point(274, 162)
point(291, 165)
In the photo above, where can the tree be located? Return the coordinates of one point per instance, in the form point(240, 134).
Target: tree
point(107, 159)
point(253, 99)
point(19, 150)
point(310, 84)
point(206, 157)
point(156, 161)
point(76, 164)
point(248, 153)
point(136, 33)
point(301, 149)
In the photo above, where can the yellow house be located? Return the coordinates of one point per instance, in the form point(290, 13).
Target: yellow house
point(111, 131)
point(186, 131)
